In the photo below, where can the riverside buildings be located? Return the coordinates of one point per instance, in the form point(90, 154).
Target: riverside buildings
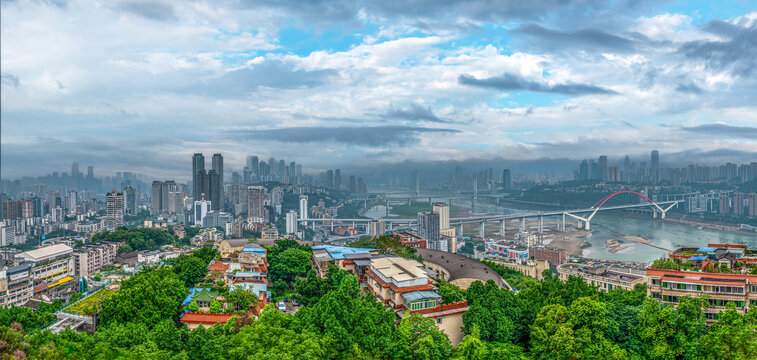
point(721, 272)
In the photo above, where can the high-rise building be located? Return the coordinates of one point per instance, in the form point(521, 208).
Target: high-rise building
point(353, 184)
point(330, 178)
point(255, 201)
point(217, 164)
point(198, 170)
point(443, 210)
point(304, 208)
point(201, 209)
point(428, 226)
point(376, 227)
point(114, 210)
point(724, 204)
point(583, 171)
point(338, 179)
point(603, 170)
point(291, 222)
point(614, 174)
point(752, 204)
point(738, 203)
point(130, 198)
point(163, 197)
point(654, 166)
point(506, 180)
point(252, 163)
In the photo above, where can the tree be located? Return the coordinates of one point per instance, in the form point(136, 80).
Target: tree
point(191, 269)
point(271, 337)
point(207, 254)
point(450, 293)
point(215, 307)
point(552, 334)
point(732, 337)
point(419, 338)
point(357, 325)
point(288, 264)
point(193, 306)
point(147, 297)
point(279, 286)
point(242, 299)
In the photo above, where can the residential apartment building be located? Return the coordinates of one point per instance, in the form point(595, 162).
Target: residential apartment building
point(52, 266)
point(20, 287)
point(605, 278)
point(405, 286)
point(722, 272)
point(91, 258)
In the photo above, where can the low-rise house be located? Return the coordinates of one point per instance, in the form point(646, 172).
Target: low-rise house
point(197, 319)
point(405, 286)
point(606, 278)
point(721, 272)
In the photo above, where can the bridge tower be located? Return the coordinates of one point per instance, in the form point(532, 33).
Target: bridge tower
point(482, 229)
point(502, 227)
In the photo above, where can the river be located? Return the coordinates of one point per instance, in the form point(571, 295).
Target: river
point(607, 224)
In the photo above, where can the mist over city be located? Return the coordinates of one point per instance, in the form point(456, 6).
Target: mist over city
point(482, 179)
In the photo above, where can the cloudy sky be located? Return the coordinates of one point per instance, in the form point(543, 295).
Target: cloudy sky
point(141, 85)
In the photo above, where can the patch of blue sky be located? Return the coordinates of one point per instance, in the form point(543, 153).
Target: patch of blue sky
point(702, 11)
point(487, 34)
point(516, 99)
point(301, 39)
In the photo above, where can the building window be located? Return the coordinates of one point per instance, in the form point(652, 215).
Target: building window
point(439, 320)
point(655, 295)
point(655, 281)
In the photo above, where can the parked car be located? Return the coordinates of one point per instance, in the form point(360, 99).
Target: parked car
point(281, 306)
point(295, 302)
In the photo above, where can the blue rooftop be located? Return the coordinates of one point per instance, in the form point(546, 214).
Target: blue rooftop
point(707, 249)
point(697, 258)
point(338, 252)
point(253, 248)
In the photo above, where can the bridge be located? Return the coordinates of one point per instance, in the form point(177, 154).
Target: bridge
point(481, 220)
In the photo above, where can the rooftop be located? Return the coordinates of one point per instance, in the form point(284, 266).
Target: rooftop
point(46, 252)
point(339, 252)
point(399, 269)
point(420, 295)
point(462, 267)
point(200, 318)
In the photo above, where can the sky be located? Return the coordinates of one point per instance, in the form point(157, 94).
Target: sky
point(141, 85)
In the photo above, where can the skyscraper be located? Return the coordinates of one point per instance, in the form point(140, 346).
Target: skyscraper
point(252, 163)
point(353, 184)
point(218, 168)
point(506, 180)
point(198, 166)
point(130, 197)
point(654, 166)
point(304, 208)
point(338, 179)
point(330, 178)
point(291, 222)
point(114, 210)
point(428, 226)
point(255, 202)
point(603, 171)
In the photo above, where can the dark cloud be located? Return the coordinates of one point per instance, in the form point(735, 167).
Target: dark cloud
point(375, 136)
point(151, 10)
point(271, 74)
point(320, 11)
point(583, 38)
point(415, 112)
point(512, 82)
point(690, 88)
point(9, 79)
point(737, 52)
point(741, 132)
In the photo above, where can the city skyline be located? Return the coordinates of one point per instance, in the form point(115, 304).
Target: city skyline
point(372, 83)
